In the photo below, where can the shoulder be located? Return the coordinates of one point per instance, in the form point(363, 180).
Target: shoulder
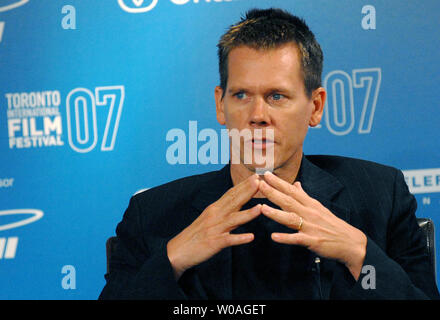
point(339, 162)
point(178, 190)
point(346, 167)
point(164, 209)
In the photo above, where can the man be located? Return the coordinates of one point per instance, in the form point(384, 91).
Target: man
point(304, 230)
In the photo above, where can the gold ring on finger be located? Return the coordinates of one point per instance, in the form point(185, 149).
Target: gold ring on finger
point(301, 221)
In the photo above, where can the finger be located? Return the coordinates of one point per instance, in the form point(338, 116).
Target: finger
point(237, 196)
point(294, 190)
point(284, 201)
point(300, 195)
point(300, 239)
point(238, 239)
point(289, 219)
point(236, 219)
point(278, 183)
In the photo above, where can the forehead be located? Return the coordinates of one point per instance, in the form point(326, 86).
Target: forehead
point(248, 66)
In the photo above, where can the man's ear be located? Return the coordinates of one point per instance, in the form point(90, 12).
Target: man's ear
point(318, 99)
point(219, 105)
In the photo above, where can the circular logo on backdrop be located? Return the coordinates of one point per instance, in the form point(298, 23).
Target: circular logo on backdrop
point(12, 5)
point(9, 244)
point(35, 215)
point(138, 5)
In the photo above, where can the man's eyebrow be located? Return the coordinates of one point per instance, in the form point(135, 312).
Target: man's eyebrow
point(236, 89)
point(281, 89)
point(269, 90)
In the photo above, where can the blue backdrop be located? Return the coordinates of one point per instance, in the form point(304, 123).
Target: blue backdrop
point(90, 89)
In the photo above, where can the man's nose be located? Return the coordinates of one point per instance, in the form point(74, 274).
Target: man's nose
point(260, 113)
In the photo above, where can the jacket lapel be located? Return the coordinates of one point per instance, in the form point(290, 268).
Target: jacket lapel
point(325, 188)
point(322, 186)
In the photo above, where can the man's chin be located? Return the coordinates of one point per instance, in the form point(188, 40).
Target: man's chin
point(258, 169)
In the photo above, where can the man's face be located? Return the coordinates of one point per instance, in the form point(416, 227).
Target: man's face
point(265, 90)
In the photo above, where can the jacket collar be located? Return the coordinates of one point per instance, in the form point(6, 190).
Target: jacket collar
point(212, 189)
point(322, 186)
point(316, 182)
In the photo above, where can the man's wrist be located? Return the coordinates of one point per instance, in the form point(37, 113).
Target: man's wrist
point(178, 270)
point(357, 259)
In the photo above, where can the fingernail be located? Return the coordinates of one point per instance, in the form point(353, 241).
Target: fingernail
point(247, 237)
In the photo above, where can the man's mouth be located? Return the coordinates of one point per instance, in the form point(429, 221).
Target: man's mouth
point(262, 143)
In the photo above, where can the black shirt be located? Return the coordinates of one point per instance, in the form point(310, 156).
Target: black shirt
point(265, 269)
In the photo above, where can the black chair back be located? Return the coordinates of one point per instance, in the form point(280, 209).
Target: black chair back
point(427, 226)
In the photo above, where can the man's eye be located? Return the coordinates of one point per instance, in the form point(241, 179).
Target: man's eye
point(240, 95)
point(277, 96)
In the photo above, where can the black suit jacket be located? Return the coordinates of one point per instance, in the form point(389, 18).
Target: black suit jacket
point(371, 197)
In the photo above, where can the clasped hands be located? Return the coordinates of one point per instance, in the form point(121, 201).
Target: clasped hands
point(319, 229)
